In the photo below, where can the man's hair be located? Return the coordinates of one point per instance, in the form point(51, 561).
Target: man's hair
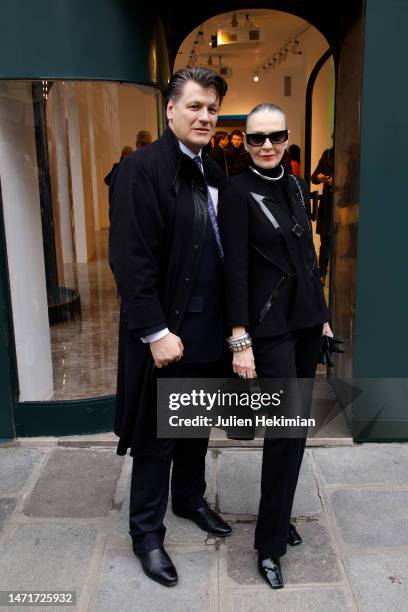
point(218, 136)
point(260, 108)
point(236, 133)
point(203, 76)
point(144, 137)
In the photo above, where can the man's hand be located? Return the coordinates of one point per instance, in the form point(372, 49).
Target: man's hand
point(325, 178)
point(166, 350)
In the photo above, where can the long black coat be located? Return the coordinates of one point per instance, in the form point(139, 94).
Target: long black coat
point(158, 221)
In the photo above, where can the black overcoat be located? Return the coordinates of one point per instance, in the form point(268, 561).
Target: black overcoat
point(158, 221)
point(324, 214)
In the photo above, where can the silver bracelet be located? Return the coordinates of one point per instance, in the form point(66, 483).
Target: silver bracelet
point(239, 344)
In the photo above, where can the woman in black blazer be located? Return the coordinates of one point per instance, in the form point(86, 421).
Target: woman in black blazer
point(275, 306)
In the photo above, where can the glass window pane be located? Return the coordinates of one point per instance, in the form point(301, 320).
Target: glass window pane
point(59, 142)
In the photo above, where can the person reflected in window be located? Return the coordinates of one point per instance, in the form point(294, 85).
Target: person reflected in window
point(276, 309)
point(126, 151)
point(143, 138)
point(218, 153)
point(323, 174)
point(292, 161)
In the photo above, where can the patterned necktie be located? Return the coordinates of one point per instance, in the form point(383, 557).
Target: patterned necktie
point(211, 210)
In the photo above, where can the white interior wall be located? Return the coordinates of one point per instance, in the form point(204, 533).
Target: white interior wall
point(74, 139)
point(322, 126)
point(56, 122)
point(243, 94)
point(137, 111)
point(22, 219)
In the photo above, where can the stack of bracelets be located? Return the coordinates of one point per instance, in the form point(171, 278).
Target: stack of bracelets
point(240, 343)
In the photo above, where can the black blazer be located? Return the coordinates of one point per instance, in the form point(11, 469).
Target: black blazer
point(271, 277)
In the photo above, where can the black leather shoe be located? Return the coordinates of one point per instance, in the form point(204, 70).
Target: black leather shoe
point(159, 567)
point(293, 537)
point(207, 520)
point(270, 570)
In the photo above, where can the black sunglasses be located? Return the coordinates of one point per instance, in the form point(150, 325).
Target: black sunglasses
point(256, 140)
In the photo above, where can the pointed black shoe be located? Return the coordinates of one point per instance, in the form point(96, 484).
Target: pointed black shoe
point(270, 570)
point(293, 537)
point(159, 567)
point(207, 520)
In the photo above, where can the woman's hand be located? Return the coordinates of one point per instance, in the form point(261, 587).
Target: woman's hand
point(327, 330)
point(243, 363)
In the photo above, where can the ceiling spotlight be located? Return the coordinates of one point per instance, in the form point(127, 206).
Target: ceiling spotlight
point(285, 53)
point(280, 58)
point(295, 46)
point(256, 77)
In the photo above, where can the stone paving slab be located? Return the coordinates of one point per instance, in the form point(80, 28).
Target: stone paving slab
point(285, 600)
point(367, 464)
point(17, 465)
point(123, 585)
point(239, 484)
point(369, 518)
point(7, 506)
point(313, 561)
point(47, 558)
point(75, 483)
point(380, 581)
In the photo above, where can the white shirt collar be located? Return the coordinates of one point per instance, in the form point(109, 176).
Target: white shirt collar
point(187, 151)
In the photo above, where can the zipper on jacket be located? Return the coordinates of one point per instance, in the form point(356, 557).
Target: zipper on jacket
point(271, 261)
point(273, 295)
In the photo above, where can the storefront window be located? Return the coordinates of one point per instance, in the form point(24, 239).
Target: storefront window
point(58, 143)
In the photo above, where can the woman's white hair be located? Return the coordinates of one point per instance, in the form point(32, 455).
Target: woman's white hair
point(265, 106)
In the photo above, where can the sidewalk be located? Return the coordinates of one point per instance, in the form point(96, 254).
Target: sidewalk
point(63, 526)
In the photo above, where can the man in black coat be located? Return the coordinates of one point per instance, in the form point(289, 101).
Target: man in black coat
point(166, 255)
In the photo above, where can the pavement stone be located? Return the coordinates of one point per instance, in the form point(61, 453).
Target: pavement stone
point(367, 464)
point(371, 518)
point(7, 506)
point(77, 483)
point(380, 581)
point(47, 558)
point(239, 484)
point(17, 465)
point(284, 600)
point(123, 585)
point(312, 561)
point(307, 501)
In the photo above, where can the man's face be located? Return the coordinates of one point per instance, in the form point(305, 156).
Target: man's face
point(224, 142)
point(236, 141)
point(193, 116)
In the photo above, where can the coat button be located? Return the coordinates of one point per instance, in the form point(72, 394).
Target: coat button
point(187, 279)
point(177, 312)
point(196, 246)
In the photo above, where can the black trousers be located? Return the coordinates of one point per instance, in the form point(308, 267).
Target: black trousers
point(291, 355)
point(149, 488)
point(324, 253)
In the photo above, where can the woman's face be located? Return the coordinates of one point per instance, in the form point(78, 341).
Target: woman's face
point(267, 155)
